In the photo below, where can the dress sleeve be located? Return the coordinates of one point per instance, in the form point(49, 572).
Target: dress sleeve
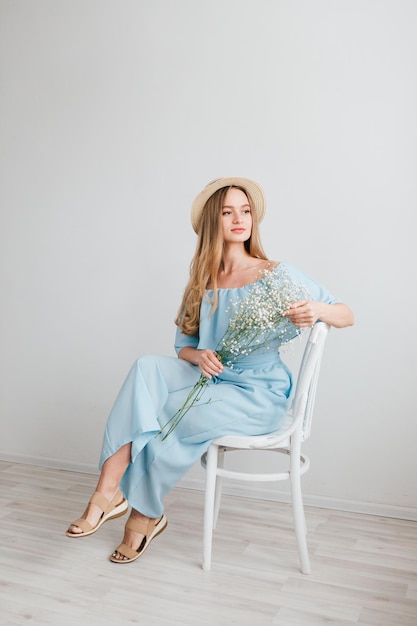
point(183, 341)
point(317, 291)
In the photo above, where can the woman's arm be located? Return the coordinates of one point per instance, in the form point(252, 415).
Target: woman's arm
point(306, 312)
point(206, 360)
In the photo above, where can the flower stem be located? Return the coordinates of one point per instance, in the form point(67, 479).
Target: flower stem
point(193, 397)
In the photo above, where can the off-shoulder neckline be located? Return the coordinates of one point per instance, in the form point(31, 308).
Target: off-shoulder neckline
point(275, 267)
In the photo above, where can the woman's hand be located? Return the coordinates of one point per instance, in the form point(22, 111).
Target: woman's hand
point(207, 360)
point(304, 313)
point(209, 363)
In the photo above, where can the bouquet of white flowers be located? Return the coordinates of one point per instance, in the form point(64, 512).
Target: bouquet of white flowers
point(258, 320)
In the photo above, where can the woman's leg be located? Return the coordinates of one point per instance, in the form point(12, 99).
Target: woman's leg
point(108, 484)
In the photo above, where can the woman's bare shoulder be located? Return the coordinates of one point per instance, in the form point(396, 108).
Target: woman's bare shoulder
point(271, 265)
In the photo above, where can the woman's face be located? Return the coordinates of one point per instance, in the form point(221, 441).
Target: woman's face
point(236, 217)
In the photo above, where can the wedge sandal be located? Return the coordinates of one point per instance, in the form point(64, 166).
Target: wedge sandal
point(111, 509)
point(149, 528)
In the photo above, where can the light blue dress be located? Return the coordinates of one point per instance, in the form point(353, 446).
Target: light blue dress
point(249, 398)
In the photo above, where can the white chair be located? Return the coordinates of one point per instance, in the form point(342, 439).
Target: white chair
point(287, 440)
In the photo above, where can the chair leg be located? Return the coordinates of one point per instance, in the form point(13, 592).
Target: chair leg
point(210, 494)
point(219, 486)
point(300, 522)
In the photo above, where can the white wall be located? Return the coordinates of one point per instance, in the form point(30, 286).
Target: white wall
point(114, 114)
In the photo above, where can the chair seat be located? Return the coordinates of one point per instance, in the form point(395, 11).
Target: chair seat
point(279, 437)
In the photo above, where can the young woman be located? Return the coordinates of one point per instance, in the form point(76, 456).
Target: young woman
point(248, 395)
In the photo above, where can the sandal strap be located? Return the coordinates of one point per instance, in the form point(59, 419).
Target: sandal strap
point(118, 499)
point(141, 526)
point(125, 551)
point(138, 525)
point(83, 524)
point(106, 505)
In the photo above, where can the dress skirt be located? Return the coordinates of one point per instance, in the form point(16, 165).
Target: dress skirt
point(242, 401)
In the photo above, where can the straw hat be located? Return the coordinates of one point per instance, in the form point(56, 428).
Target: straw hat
point(253, 189)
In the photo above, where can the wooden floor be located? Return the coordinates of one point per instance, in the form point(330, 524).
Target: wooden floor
point(364, 567)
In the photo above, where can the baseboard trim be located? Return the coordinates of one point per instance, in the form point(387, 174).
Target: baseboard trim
point(49, 462)
point(244, 490)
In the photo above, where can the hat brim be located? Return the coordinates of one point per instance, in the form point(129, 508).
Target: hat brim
point(253, 189)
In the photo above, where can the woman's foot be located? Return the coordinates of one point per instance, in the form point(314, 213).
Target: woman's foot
point(139, 532)
point(100, 509)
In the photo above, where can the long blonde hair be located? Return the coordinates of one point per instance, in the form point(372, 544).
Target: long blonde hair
point(207, 260)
